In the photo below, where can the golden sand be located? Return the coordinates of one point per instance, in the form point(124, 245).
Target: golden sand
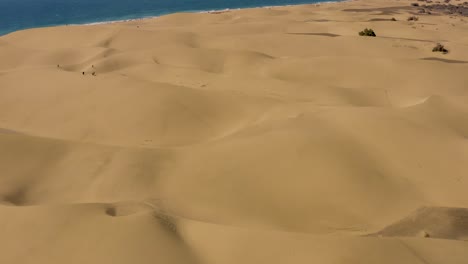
point(271, 135)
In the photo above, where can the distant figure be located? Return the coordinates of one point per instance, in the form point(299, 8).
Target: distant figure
point(83, 73)
point(94, 73)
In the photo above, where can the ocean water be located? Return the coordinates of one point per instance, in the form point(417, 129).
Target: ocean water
point(23, 14)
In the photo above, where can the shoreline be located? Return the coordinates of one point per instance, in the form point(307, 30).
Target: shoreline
point(212, 11)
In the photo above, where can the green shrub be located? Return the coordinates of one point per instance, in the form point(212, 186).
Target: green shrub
point(367, 32)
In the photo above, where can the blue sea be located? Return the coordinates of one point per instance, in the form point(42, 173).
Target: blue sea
point(23, 14)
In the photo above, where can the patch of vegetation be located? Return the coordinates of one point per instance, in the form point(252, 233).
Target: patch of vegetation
point(414, 4)
point(413, 18)
point(393, 19)
point(440, 48)
point(367, 32)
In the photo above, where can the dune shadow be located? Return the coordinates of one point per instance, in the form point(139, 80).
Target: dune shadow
point(444, 60)
point(315, 34)
point(379, 19)
point(319, 20)
point(392, 10)
point(409, 39)
point(17, 197)
point(430, 222)
point(7, 131)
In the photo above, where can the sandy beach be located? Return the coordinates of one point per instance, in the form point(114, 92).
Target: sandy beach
point(265, 135)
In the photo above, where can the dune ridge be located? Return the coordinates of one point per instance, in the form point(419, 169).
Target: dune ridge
point(264, 135)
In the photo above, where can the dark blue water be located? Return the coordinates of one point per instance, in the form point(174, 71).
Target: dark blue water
point(22, 14)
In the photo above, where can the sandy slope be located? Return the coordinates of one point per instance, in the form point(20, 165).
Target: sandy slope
point(256, 136)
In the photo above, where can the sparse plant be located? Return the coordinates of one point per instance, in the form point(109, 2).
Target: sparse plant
point(414, 4)
point(367, 32)
point(393, 19)
point(413, 18)
point(439, 48)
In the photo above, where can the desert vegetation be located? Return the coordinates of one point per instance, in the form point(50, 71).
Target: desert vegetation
point(367, 32)
point(439, 48)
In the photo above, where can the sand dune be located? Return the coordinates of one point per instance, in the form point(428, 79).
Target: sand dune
point(273, 135)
